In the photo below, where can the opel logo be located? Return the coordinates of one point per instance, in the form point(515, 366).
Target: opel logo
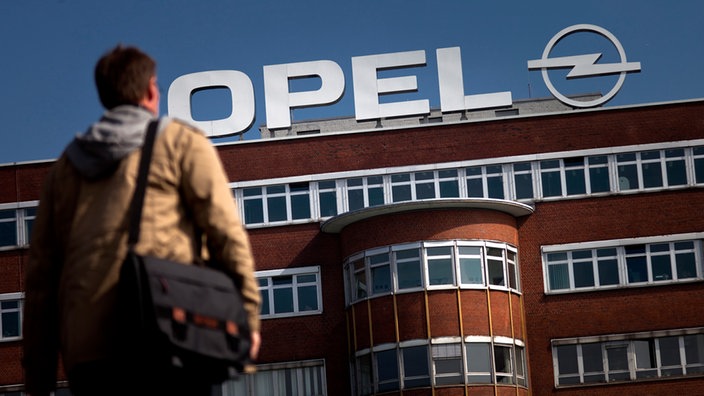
point(584, 65)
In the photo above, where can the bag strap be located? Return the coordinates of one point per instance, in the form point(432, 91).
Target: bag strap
point(135, 212)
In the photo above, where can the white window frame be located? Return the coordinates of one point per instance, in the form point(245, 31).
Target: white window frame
point(294, 273)
point(620, 245)
point(19, 297)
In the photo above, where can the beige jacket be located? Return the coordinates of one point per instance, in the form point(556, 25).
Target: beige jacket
point(80, 239)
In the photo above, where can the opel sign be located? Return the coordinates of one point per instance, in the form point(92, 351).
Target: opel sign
point(368, 86)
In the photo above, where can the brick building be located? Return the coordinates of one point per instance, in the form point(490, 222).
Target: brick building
point(517, 253)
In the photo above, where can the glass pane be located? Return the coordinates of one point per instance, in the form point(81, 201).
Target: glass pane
point(478, 363)
point(574, 176)
point(265, 310)
point(502, 359)
point(694, 350)
point(381, 279)
point(7, 214)
point(283, 300)
point(10, 324)
point(699, 170)
point(364, 379)
point(669, 351)
point(401, 193)
point(449, 189)
point(440, 271)
point(300, 206)
point(646, 366)
point(686, 265)
point(599, 179)
point(662, 268)
point(253, 212)
point(676, 173)
point(608, 272)
point(552, 185)
point(559, 277)
point(328, 204)
point(408, 269)
point(583, 274)
point(355, 199)
point(617, 358)
point(361, 283)
point(652, 175)
point(495, 185)
point(567, 359)
point(415, 366)
point(387, 370)
point(475, 188)
point(425, 191)
point(636, 263)
point(307, 298)
point(471, 270)
point(276, 207)
point(593, 363)
point(627, 177)
point(376, 196)
point(523, 180)
point(496, 272)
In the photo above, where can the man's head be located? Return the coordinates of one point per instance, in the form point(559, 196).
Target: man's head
point(126, 75)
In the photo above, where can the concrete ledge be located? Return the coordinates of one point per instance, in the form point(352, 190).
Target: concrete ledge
point(337, 223)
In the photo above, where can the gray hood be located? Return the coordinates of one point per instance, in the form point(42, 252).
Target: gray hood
point(97, 152)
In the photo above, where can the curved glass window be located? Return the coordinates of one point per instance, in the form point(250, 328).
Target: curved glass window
point(475, 360)
point(431, 265)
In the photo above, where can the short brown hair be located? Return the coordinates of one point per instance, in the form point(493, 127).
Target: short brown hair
point(122, 76)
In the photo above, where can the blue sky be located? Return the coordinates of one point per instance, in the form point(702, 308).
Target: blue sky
point(48, 49)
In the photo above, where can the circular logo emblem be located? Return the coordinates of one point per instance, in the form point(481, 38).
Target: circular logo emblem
point(584, 65)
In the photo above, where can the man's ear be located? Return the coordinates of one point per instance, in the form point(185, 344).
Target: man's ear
point(150, 101)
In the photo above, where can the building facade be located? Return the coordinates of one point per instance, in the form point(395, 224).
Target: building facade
point(519, 253)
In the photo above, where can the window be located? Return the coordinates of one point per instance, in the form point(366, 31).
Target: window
point(575, 177)
point(598, 174)
point(660, 261)
point(401, 187)
point(495, 266)
point(294, 291)
point(365, 379)
point(479, 363)
point(415, 366)
point(485, 181)
point(694, 353)
point(698, 155)
point(408, 268)
point(440, 266)
point(628, 357)
point(523, 180)
point(327, 195)
point(470, 259)
point(473, 360)
point(380, 268)
point(8, 227)
point(270, 204)
point(387, 370)
point(447, 361)
point(11, 316)
point(549, 176)
point(435, 265)
point(365, 192)
point(16, 224)
point(280, 379)
point(503, 364)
